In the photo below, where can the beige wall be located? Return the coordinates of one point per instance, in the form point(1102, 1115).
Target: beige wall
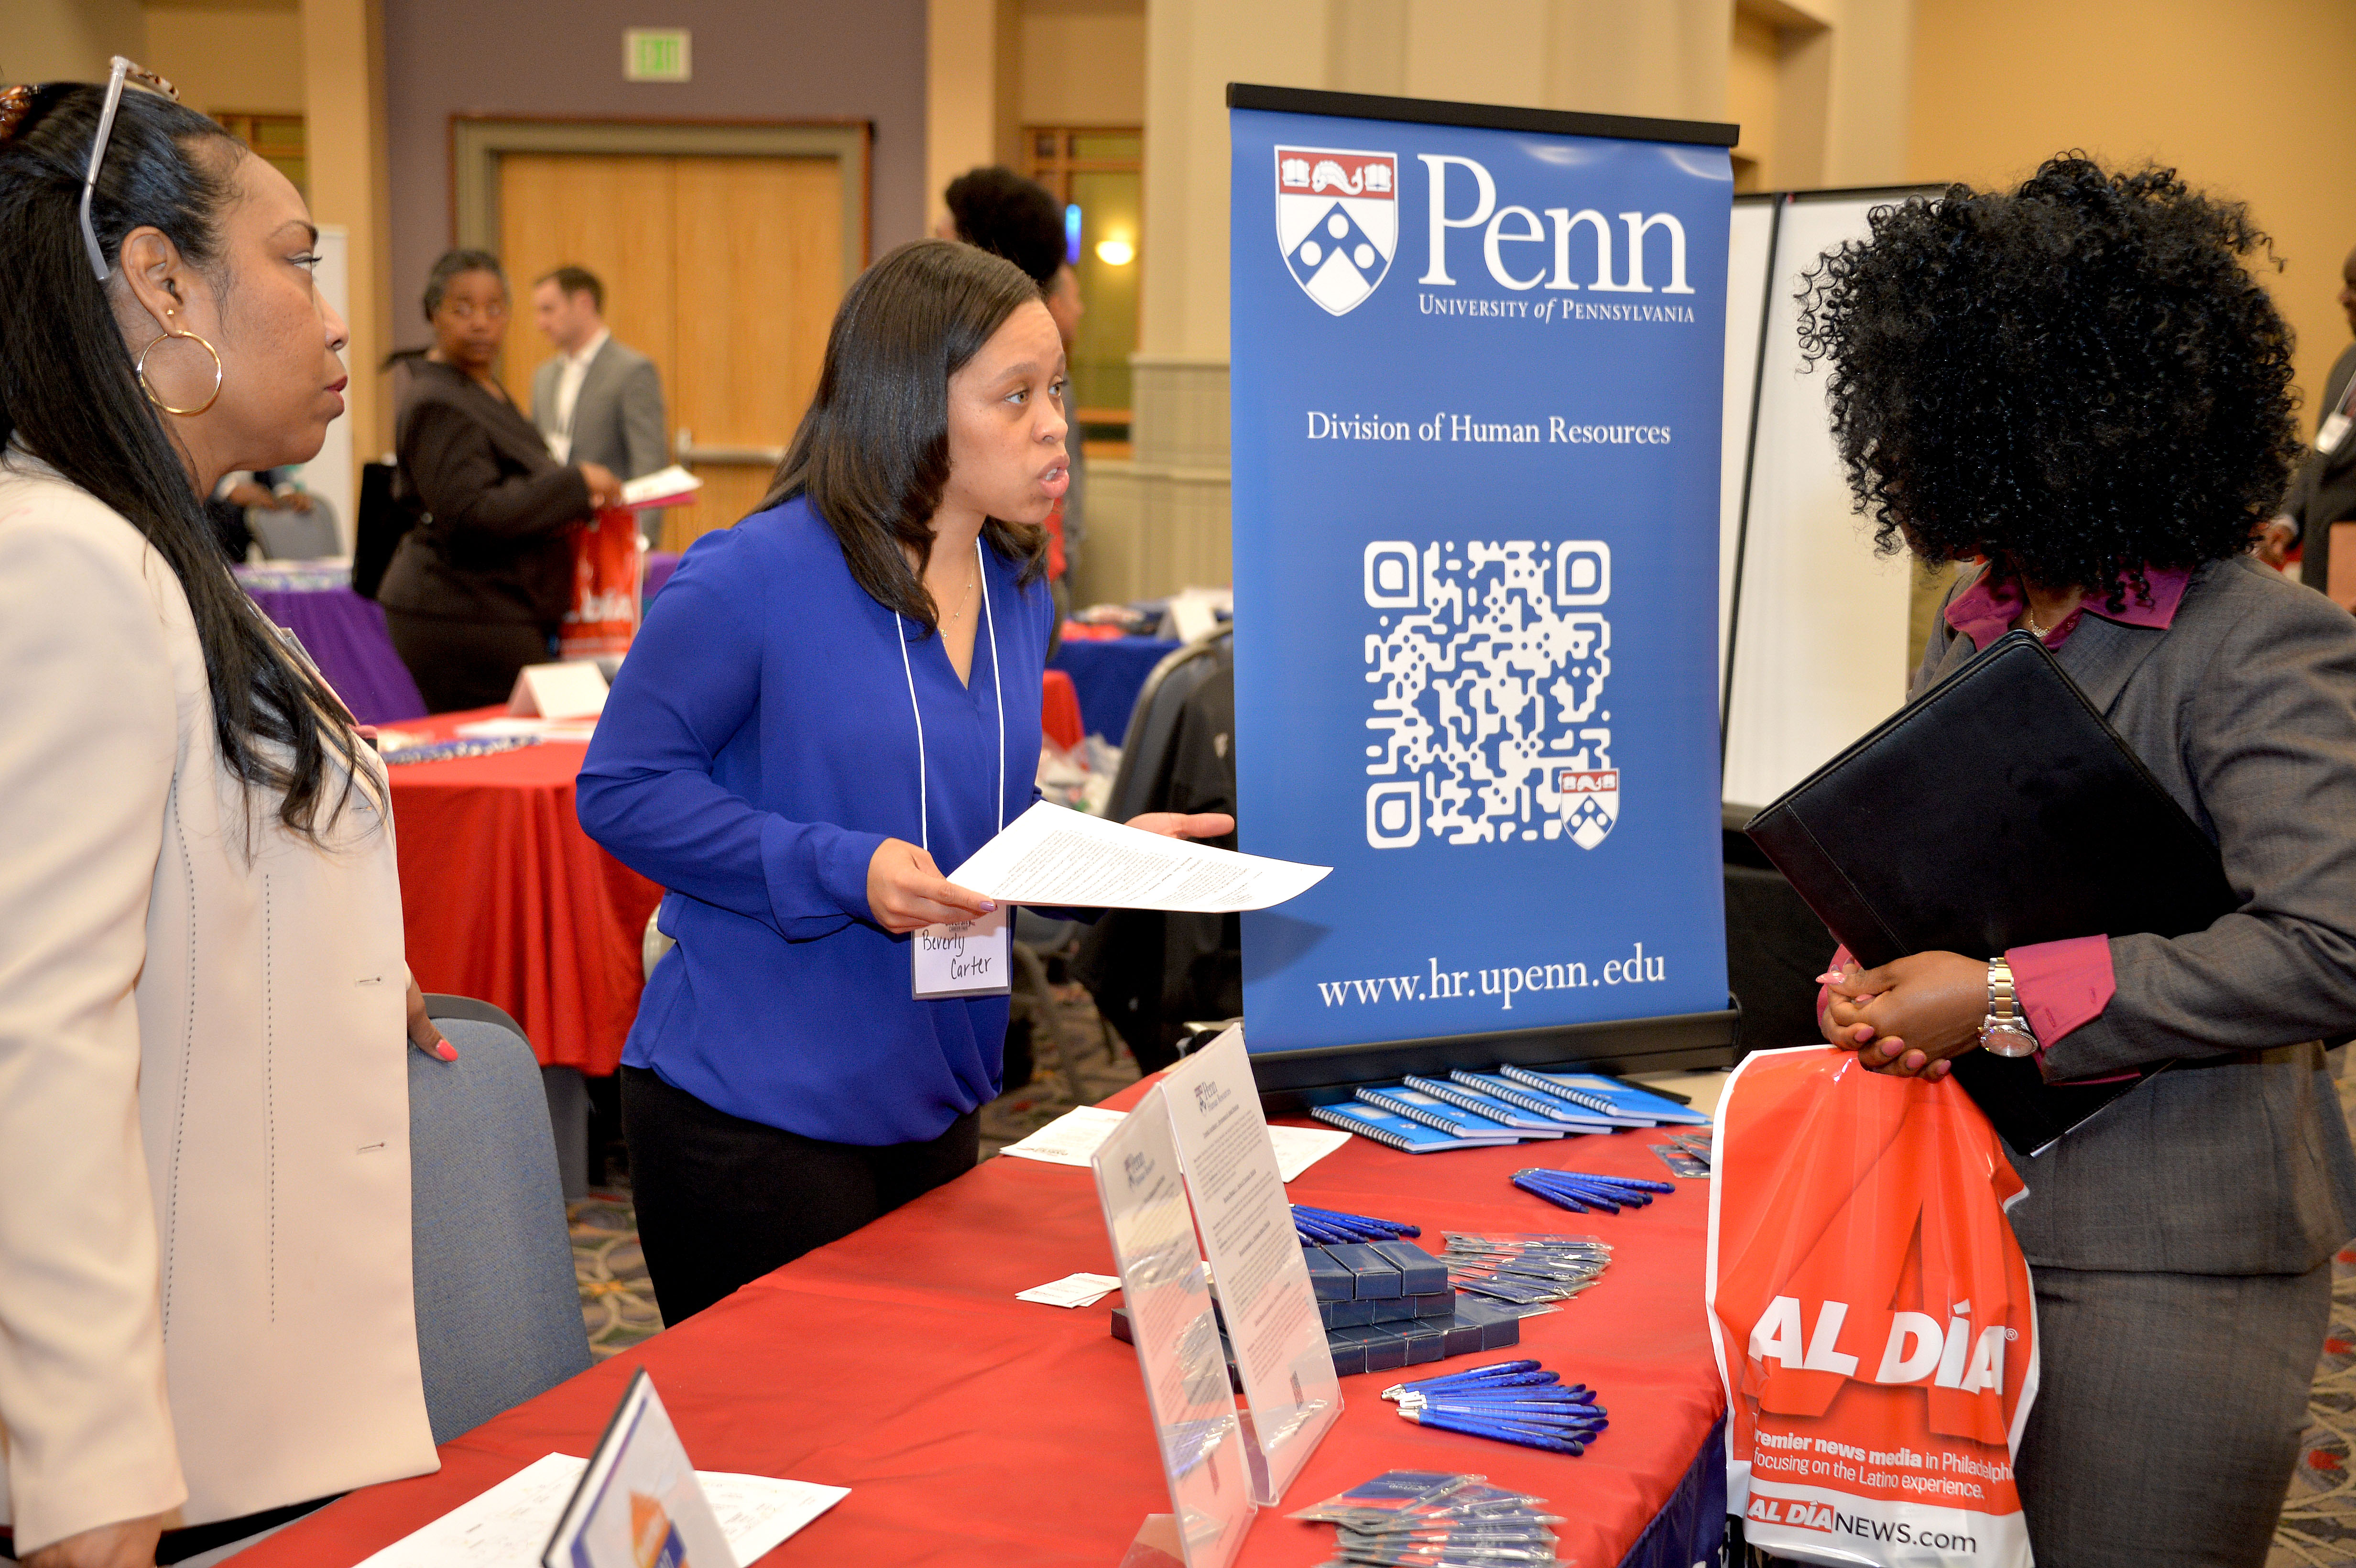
point(1083, 62)
point(245, 59)
point(69, 40)
point(2246, 100)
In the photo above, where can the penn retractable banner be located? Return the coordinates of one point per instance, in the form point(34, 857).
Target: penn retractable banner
point(1477, 357)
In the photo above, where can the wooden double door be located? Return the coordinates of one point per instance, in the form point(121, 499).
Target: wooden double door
point(723, 270)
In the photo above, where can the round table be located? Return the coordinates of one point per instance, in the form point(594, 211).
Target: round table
point(344, 633)
point(506, 900)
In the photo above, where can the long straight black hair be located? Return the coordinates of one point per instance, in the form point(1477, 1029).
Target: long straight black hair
point(68, 395)
point(872, 452)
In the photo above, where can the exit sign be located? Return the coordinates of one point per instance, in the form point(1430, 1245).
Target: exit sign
point(656, 54)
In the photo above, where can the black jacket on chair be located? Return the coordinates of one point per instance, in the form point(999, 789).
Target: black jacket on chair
point(494, 508)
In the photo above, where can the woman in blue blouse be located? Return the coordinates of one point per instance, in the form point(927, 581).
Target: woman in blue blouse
point(829, 702)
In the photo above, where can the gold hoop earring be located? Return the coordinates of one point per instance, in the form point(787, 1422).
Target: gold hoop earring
point(140, 370)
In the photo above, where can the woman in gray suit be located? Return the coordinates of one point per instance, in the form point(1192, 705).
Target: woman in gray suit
point(2077, 386)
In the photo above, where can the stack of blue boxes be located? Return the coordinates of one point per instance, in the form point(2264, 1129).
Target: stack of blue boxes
point(1387, 1305)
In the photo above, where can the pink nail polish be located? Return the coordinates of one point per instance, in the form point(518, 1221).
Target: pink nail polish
point(446, 1052)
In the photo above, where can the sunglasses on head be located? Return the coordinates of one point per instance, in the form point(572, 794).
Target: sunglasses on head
point(124, 71)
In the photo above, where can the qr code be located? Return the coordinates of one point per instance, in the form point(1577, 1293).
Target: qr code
point(1489, 662)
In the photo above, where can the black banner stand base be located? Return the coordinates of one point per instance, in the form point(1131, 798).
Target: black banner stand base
point(1290, 1082)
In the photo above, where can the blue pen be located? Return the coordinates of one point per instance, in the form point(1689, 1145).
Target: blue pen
point(1542, 1414)
point(1318, 1230)
point(1394, 1226)
point(1536, 1415)
point(1531, 1382)
point(1494, 1370)
point(1582, 1178)
point(1579, 1431)
point(1580, 1185)
point(1638, 1182)
point(1516, 1435)
point(1581, 1201)
point(1510, 1373)
point(1561, 1201)
point(1536, 1399)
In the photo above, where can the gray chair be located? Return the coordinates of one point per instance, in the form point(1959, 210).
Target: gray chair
point(1153, 722)
point(297, 536)
point(498, 1311)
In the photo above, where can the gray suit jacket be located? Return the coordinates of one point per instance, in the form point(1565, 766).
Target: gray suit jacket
point(617, 420)
point(2245, 709)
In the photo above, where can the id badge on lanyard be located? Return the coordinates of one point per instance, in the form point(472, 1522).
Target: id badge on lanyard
point(969, 957)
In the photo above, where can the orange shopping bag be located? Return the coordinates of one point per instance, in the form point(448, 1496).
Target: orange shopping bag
point(1872, 1316)
point(607, 557)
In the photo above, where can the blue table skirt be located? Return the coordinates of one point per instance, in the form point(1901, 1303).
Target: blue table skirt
point(1691, 1525)
point(1109, 676)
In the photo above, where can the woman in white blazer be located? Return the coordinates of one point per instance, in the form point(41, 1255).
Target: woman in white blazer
point(204, 1296)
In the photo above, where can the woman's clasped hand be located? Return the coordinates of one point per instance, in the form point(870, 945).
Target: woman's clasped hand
point(906, 891)
point(1908, 1018)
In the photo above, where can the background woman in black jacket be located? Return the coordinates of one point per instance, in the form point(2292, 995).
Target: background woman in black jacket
point(481, 583)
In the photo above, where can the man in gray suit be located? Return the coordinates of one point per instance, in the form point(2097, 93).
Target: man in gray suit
point(597, 401)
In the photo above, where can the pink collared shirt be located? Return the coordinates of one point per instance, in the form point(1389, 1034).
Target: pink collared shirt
point(2061, 984)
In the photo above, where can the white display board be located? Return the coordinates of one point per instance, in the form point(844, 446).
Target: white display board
point(1818, 621)
point(1748, 254)
point(330, 474)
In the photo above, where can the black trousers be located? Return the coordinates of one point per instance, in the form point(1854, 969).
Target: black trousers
point(722, 1200)
point(460, 665)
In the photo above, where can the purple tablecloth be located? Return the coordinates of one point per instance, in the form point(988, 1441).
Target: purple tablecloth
point(345, 635)
point(660, 564)
point(1108, 675)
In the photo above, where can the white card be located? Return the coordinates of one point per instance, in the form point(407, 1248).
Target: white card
point(575, 690)
point(973, 959)
point(2334, 431)
point(1072, 1290)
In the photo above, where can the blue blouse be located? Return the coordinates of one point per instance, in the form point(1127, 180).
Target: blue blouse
point(759, 743)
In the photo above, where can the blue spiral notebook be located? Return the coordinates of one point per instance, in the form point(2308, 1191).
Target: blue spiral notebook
point(1397, 1132)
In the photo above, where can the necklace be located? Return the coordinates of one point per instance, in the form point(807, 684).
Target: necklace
point(963, 599)
point(2029, 614)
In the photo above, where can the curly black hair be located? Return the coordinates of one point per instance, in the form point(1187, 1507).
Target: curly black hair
point(1008, 215)
point(2075, 380)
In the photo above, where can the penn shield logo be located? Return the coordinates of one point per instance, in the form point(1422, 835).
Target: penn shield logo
point(1590, 800)
point(1336, 221)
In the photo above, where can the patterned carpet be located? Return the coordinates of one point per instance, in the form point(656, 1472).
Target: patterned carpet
point(2318, 1521)
point(1075, 1068)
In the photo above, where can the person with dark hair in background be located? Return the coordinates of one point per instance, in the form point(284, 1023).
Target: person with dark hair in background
point(597, 401)
point(479, 587)
point(207, 1309)
point(2079, 384)
point(829, 702)
point(1006, 215)
point(2323, 491)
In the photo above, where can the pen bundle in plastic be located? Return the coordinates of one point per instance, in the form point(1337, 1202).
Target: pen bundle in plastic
point(1508, 1402)
point(1435, 1519)
point(1525, 1270)
point(1318, 1226)
point(1686, 1154)
point(1583, 1194)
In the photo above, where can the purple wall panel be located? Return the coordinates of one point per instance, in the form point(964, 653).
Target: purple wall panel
point(754, 59)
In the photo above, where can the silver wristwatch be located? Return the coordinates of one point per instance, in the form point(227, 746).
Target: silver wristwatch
point(2005, 1033)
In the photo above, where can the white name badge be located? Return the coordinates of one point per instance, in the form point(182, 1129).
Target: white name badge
point(2334, 431)
point(971, 958)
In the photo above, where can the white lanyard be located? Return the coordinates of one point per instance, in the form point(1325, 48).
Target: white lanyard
point(969, 958)
point(989, 618)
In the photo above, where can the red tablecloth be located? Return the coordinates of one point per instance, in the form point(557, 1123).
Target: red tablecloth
point(1059, 710)
point(504, 898)
point(975, 1429)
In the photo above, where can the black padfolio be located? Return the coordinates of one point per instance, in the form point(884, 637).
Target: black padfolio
point(2000, 810)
